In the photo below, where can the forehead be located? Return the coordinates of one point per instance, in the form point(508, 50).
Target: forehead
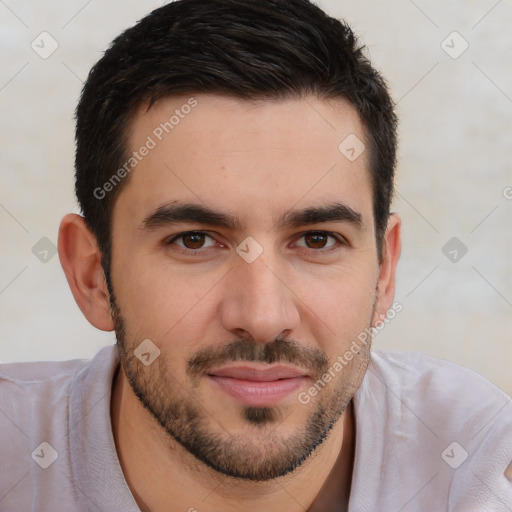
point(254, 158)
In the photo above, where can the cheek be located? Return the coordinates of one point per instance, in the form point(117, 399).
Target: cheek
point(342, 296)
point(345, 306)
point(160, 303)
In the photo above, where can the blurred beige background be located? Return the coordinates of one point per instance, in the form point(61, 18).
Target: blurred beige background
point(454, 95)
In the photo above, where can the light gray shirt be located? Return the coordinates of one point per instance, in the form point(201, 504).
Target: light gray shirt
point(430, 436)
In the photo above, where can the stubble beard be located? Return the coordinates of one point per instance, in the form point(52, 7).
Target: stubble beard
point(264, 454)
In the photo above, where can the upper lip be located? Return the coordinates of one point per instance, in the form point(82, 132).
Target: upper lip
point(260, 374)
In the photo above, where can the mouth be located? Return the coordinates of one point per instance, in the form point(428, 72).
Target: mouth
point(261, 386)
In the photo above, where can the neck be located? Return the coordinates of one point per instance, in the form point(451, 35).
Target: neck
point(159, 471)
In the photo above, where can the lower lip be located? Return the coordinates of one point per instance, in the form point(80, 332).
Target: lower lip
point(257, 393)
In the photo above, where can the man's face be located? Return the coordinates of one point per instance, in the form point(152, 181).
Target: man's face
point(220, 311)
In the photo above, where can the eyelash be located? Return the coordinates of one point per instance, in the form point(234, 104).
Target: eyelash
point(341, 241)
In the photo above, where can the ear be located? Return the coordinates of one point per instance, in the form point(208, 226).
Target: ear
point(391, 249)
point(81, 261)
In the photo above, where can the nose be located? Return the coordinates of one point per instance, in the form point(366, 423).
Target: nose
point(259, 302)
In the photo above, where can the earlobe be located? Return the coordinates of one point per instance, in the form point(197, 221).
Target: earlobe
point(81, 261)
point(391, 248)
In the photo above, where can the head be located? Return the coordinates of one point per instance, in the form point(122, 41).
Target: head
point(226, 219)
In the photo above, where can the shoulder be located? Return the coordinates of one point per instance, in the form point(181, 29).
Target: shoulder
point(37, 400)
point(30, 382)
point(37, 373)
point(35, 394)
point(437, 378)
point(25, 386)
point(444, 395)
point(451, 418)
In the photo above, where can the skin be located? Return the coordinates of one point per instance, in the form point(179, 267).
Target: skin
point(307, 298)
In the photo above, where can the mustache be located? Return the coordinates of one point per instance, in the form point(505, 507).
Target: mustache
point(279, 350)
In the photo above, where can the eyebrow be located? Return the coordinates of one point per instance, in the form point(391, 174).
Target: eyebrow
point(175, 213)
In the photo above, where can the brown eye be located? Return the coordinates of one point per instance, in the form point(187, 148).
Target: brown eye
point(316, 240)
point(193, 240)
point(319, 240)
